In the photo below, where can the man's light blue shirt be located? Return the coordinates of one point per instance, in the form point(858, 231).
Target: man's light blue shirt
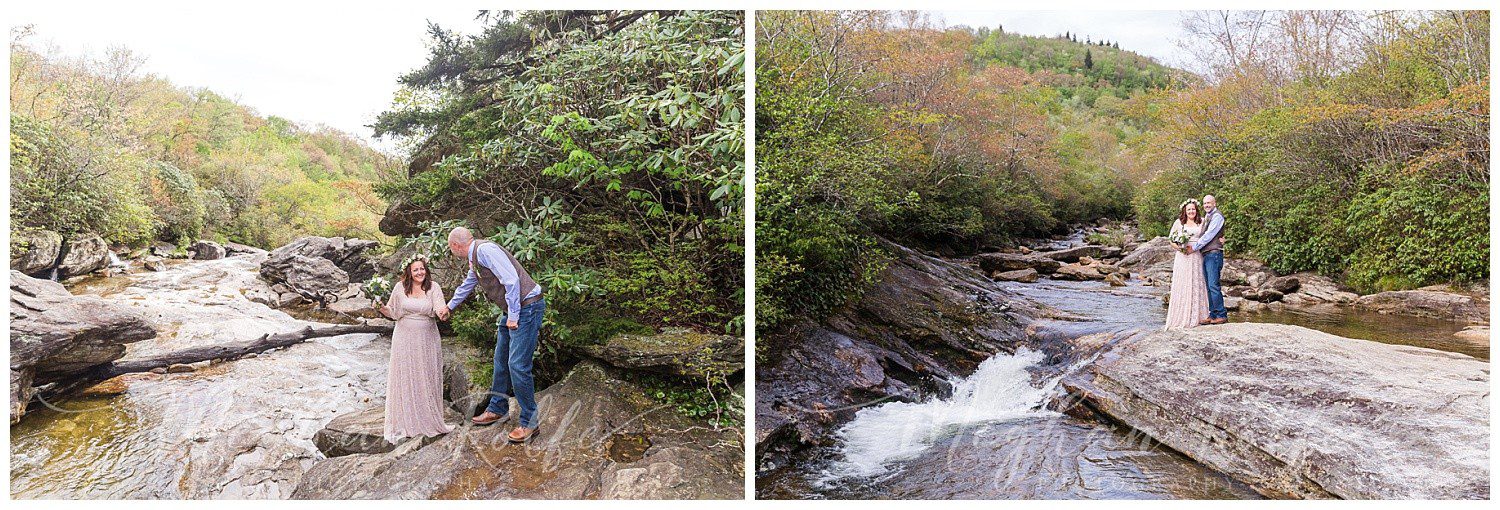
point(491, 257)
point(1215, 223)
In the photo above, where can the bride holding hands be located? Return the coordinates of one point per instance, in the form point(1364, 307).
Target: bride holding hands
point(414, 382)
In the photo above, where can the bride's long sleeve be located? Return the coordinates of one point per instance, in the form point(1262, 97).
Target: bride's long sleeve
point(436, 296)
point(392, 308)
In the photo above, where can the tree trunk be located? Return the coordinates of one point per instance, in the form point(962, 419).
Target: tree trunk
point(208, 352)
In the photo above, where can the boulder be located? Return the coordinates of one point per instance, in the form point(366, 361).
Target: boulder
point(992, 262)
point(1027, 275)
point(600, 437)
point(1078, 272)
point(34, 251)
point(207, 250)
point(1237, 290)
point(1115, 279)
point(1428, 303)
point(233, 248)
point(1150, 253)
point(83, 254)
point(1316, 288)
point(1478, 335)
point(1077, 253)
point(1233, 303)
point(362, 431)
point(1299, 413)
point(1284, 284)
point(154, 263)
point(1112, 269)
point(1262, 295)
point(348, 255)
point(313, 278)
point(163, 250)
point(55, 335)
point(674, 351)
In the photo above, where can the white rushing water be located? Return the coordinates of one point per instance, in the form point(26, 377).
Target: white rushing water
point(1000, 390)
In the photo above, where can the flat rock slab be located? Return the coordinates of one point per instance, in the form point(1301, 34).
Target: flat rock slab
point(362, 431)
point(574, 456)
point(1299, 413)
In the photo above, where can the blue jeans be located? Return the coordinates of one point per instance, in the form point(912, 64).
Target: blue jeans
point(514, 350)
point(1213, 264)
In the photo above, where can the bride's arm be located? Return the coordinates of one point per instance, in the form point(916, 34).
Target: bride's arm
point(439, 305)
point(389, 310)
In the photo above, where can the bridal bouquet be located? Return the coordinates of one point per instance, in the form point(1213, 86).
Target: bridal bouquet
point(1179, 236)
point(377, 288)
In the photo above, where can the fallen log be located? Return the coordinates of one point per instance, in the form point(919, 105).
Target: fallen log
point(226, 351)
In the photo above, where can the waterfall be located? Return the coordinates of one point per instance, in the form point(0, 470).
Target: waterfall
point(1000, 390)
point(114, 261)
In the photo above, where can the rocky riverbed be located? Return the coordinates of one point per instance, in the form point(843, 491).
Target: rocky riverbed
point(238, 429)
point(279, 424)
point(904, 414)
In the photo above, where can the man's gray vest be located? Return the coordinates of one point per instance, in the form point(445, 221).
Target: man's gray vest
point(1217, 244)
point(490, 284)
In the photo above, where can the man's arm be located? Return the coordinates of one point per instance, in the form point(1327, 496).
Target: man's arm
point(1215, 223)
point(491, 257)
point(462, 292)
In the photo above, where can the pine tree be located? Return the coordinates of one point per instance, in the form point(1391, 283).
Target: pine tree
point(1088, 59)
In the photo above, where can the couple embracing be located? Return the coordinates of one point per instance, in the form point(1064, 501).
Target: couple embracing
point(1198, 237)
point(414, 382)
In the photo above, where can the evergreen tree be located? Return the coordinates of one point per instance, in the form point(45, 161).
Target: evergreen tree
point(1088, 59)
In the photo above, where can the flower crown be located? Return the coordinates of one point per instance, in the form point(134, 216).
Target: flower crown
point(407, 262)
point(1193, 201)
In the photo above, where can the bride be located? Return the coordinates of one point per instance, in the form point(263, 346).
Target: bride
point(1189, 301)
point(414, 381)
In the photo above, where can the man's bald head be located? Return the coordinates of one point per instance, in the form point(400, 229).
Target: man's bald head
point(458, 241)
point(1210, 203)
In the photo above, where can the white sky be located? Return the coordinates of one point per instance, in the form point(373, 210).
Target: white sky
point(1150, 33)
point(312, 63)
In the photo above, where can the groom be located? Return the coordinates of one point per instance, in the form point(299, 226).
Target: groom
point(506, 283)
point(1211, 244)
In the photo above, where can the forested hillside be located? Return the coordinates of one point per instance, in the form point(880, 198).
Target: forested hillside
point(98, 146)
point(1087, 69)
point(1347, 142)
point(882, 124)
point(1354, 144)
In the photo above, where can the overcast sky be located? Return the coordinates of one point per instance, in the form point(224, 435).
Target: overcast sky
point(337, 65)
point(1150, 33)
point(311, 63)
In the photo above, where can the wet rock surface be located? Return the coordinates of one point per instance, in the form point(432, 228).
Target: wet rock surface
point(240, 429)
point(926, 322)
point(1299, 413)
point(54, 334)
point(581, 417)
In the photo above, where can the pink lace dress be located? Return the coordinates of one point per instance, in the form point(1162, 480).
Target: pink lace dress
point(414, 381)
point(1189, 301)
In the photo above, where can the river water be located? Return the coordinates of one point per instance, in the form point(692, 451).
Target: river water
point(238, 429)
point(995, 437)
